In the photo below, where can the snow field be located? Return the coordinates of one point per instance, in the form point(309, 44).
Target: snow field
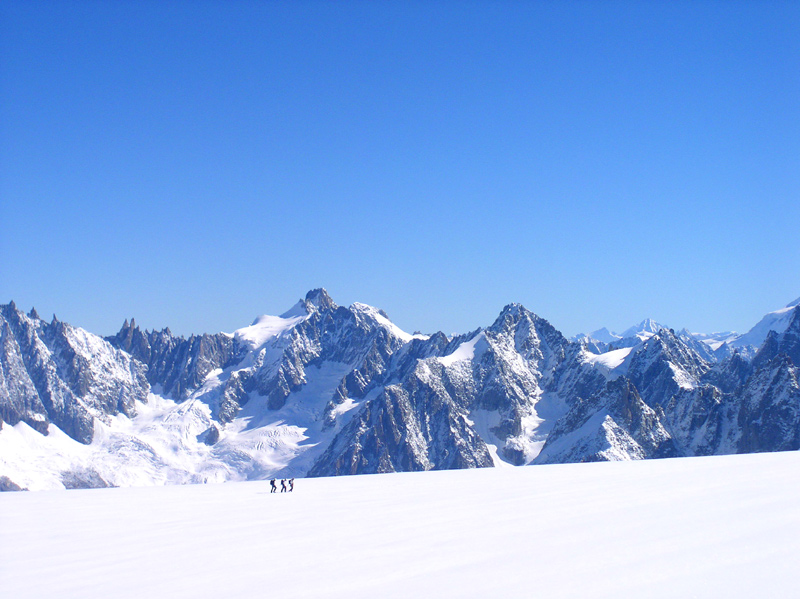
point(609, 360)
point(267, 327)
point(465, 351)
point(692, 527)
point(163, 443)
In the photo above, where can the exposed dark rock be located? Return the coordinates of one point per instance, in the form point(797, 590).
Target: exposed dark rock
point(787, 343)
point(396, 433)
point(614, 424)
point(211, 436)
point(6, 484)
point(177, 365)
point(83, 478)
point(664, 365)
point(730, 374)
point(55, 373)
point(234, 395)
point(769, 419)
point(423, 422)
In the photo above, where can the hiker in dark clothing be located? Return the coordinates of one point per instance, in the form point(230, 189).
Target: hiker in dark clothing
point(283, 485)
point(272, 485)
point(291, 485)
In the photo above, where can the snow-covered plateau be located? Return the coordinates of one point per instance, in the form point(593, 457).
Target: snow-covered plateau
point(722, 526)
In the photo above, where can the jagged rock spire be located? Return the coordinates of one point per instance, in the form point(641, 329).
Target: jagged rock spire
point(320, 299)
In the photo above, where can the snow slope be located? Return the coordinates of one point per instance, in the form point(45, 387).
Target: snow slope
point(266, 404)
point(165, 444)
point(777, 321)
point(715, 340)
point(465, 351)
point(611, 360)
point(268, 327)
point(693, 527)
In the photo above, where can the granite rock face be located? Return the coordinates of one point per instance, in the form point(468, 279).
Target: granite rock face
point(737, 405)
point(53, 372)
point(613, 424)
point(176, 364)
point(769, 415)
point(407, 428)
point(83, 478)
point(451, 397)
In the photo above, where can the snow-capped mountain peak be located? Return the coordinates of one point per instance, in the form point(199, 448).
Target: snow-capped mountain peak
point(715, 340)
point(382, 319)
point(644, 329)
point(604, 335)
point(266, 327)
point(319, 299)
point(777, 320)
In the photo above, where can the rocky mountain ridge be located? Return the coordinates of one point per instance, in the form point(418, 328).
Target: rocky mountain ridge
point(328, 390)
point(721, 344)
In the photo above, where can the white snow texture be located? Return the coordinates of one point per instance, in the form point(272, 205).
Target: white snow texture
point(691, 527)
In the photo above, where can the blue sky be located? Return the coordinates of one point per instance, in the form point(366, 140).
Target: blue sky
point(195, 164)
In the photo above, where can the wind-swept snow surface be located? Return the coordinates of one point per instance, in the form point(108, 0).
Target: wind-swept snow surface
point(692, 527)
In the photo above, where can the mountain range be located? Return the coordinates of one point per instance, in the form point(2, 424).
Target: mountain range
point(325, 390)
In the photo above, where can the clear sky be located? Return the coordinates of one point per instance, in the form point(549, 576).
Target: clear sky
point(195, 164)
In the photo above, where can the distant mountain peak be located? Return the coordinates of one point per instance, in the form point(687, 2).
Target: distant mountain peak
point(320, 299)
point(604, 335)
point(644, 329)
point(648, 325)
point(510, 315)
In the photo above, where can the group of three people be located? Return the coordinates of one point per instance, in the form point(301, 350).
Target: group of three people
point(284, 488)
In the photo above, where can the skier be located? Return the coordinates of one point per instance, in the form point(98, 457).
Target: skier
point(283, 485)
point(291, 485)
point(272, 484)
